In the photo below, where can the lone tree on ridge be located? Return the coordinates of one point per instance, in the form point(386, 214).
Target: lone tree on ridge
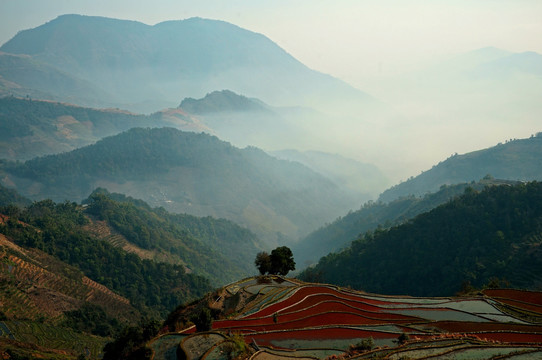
point(281, 261)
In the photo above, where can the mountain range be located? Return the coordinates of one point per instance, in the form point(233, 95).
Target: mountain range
point(517, 159)
point(373, 215)
point(188, 172)
point(481, 236)
point(145, 68)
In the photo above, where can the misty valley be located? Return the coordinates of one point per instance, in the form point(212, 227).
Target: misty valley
point(190, 190)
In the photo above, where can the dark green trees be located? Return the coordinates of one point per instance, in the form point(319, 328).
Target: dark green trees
point(263, 262)
point(281, 261)
point(203, 320)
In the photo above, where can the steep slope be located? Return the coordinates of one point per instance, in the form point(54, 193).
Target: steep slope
point(245, 121)
point(59, 230)
point(515, 160)
point(36, 284)
point(30, 128)
point(157, 65)
point(193, 173)
point(216, 248)
point(43, 298)
point(478, 236)
point(372, 215)
point(248, 121)
point(222, 101)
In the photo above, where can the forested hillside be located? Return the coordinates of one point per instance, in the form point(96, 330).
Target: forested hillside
point(64, 276)
point(514, 160)
point(495, 233)
point(220, 250)
point(372, 215)
point(30, 128)
point(56, 229)
point(189, 173)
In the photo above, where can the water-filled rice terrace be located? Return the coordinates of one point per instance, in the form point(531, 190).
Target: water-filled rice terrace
point(283, 318)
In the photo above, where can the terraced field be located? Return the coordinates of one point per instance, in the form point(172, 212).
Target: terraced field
point(287, 319)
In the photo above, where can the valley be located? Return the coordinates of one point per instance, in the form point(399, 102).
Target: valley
point(147, 172)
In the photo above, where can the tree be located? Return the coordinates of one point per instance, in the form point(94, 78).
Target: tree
point(203, 320)
point(263, 262)
point(282, 260)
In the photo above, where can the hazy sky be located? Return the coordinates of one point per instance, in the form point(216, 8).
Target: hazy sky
point(350, 39)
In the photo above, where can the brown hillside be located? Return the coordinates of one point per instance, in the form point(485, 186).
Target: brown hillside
point(35, 285)
point(103, 231)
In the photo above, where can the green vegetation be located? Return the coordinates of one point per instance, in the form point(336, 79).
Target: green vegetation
point(263, 262)
point(235, 347)
point(280, 262)
point(131, 343)
point(50, 337)
point(494, 233)
point(12, 197)
point(190, 173)
point(57, 230)
point(216, 248)
point(377, 215)
point(515, 160)
point(92, 319)
point(203, 320)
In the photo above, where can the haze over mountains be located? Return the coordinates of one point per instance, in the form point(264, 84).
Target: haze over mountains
point(194, 173)
point(409, 123)
point(463, 103)
point(494, 233)
point(174, 60)
point(514, 160)
point(242, 149)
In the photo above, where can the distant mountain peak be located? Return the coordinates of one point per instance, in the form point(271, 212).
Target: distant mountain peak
point(222, 101)
point(146, 65)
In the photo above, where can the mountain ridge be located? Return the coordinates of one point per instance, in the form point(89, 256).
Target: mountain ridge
point(176, 59)
point(187, 172)
point(515, 160)
point(469, 240)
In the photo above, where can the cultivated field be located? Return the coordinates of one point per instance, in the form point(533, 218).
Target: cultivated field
point(287, 319)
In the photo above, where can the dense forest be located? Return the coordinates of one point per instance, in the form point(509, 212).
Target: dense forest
point(372, 215)
point(482, 235)
point(216, 248)
point(56, 229)
point(190, 173)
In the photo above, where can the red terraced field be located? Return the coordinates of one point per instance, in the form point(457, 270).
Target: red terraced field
point(314, 316)
point(320, 308)
point(324, 334)
point(312, 291)
point(520, 304)
point(325, 319)
point(344, 306)
point(531, 297)
point(311, 300)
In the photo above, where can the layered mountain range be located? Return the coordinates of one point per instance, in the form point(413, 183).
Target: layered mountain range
point(145, 68)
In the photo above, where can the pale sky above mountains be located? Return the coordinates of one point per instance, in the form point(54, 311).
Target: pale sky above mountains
point(349, 39)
